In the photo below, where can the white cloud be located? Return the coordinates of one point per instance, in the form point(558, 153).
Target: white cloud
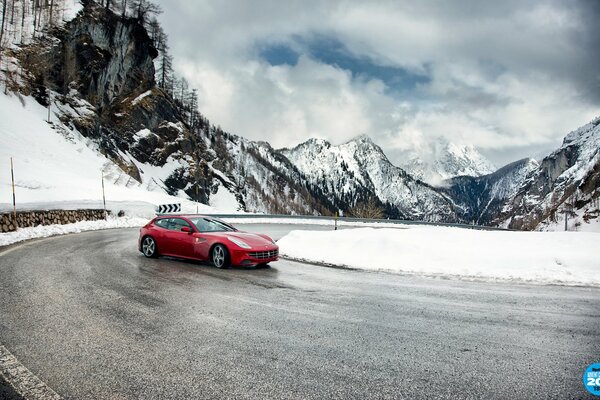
point(503, 76)
point(287, 104)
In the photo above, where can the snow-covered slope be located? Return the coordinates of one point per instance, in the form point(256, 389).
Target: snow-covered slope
point(53, 170)
point(357, 170)
point(445, 160)
point(262, 179)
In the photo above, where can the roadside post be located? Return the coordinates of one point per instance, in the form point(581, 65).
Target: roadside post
point(12, 176)
point(104, 197)
point(336, 218)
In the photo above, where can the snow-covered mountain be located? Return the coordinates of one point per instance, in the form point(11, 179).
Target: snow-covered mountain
point(444, 160)
point(358, 170)
point(567, 182)
point(109, 116)
point(480, 199)
point(529, 195)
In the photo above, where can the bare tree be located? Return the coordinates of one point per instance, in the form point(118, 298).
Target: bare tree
point(12, 12)
point(50, 23)
point(3, 20)
point(141, 9)
point(194, 107)
point(23, 12)
point(165, 69)
point(369, 209)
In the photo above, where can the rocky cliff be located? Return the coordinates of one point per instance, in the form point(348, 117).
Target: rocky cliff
point(98, 71)
point(567, 181)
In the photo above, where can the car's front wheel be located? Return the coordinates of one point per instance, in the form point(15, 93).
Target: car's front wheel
point(149, 247)
point(220, 256)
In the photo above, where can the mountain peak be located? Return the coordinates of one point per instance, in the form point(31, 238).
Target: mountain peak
point(583, 134)
point(362, 138)
point(445, 159)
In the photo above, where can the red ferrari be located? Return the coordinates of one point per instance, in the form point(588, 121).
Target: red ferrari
point(205, 238)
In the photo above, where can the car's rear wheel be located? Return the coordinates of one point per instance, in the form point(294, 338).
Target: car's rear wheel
point(220, 256)
point(149, 247)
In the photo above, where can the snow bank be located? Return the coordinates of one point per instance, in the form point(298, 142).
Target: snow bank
point(542, 257)
point(52, 230)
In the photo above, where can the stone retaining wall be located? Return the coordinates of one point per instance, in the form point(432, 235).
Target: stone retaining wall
point(35, 218)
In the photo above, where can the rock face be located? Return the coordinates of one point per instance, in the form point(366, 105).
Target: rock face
point(101, 69)
point(109, 57)
point(569, 177)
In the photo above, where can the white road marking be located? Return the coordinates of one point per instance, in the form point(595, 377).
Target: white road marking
point(23, 380)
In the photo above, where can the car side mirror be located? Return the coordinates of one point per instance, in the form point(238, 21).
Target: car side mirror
point(186, 229)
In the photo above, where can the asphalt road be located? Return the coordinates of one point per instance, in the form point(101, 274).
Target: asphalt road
point(93, 318)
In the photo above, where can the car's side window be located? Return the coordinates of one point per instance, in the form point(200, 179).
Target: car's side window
point(163, 223)
point(177, 223)
point(202, 225)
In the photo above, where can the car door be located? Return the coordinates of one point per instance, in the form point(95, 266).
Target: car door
point(180, 243)
point(203, 240)
point(161, 233)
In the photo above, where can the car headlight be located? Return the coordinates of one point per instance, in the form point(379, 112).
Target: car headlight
point(239, 242)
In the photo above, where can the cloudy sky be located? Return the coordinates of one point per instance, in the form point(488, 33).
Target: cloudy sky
point(510, 77)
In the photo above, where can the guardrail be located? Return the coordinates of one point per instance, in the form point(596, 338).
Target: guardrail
point(351, 219)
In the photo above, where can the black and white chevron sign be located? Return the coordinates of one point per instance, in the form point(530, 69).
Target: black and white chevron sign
point(169, 208)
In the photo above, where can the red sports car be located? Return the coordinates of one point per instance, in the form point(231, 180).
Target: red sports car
point(205, 238)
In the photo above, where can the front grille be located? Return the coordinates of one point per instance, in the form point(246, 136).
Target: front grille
point(261, 255)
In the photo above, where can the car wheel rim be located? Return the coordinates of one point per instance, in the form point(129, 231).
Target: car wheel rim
point(148, 247)
point(219, 256)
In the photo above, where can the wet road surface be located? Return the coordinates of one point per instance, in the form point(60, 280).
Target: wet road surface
point(93, 318)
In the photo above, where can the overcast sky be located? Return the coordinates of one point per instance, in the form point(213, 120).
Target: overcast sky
point(510, 77)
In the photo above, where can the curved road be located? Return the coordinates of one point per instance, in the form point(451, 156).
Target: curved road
point(93, 318)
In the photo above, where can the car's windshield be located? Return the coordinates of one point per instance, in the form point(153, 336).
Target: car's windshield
point(211, 225)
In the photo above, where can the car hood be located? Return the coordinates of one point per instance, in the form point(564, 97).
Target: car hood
point(252, 239)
